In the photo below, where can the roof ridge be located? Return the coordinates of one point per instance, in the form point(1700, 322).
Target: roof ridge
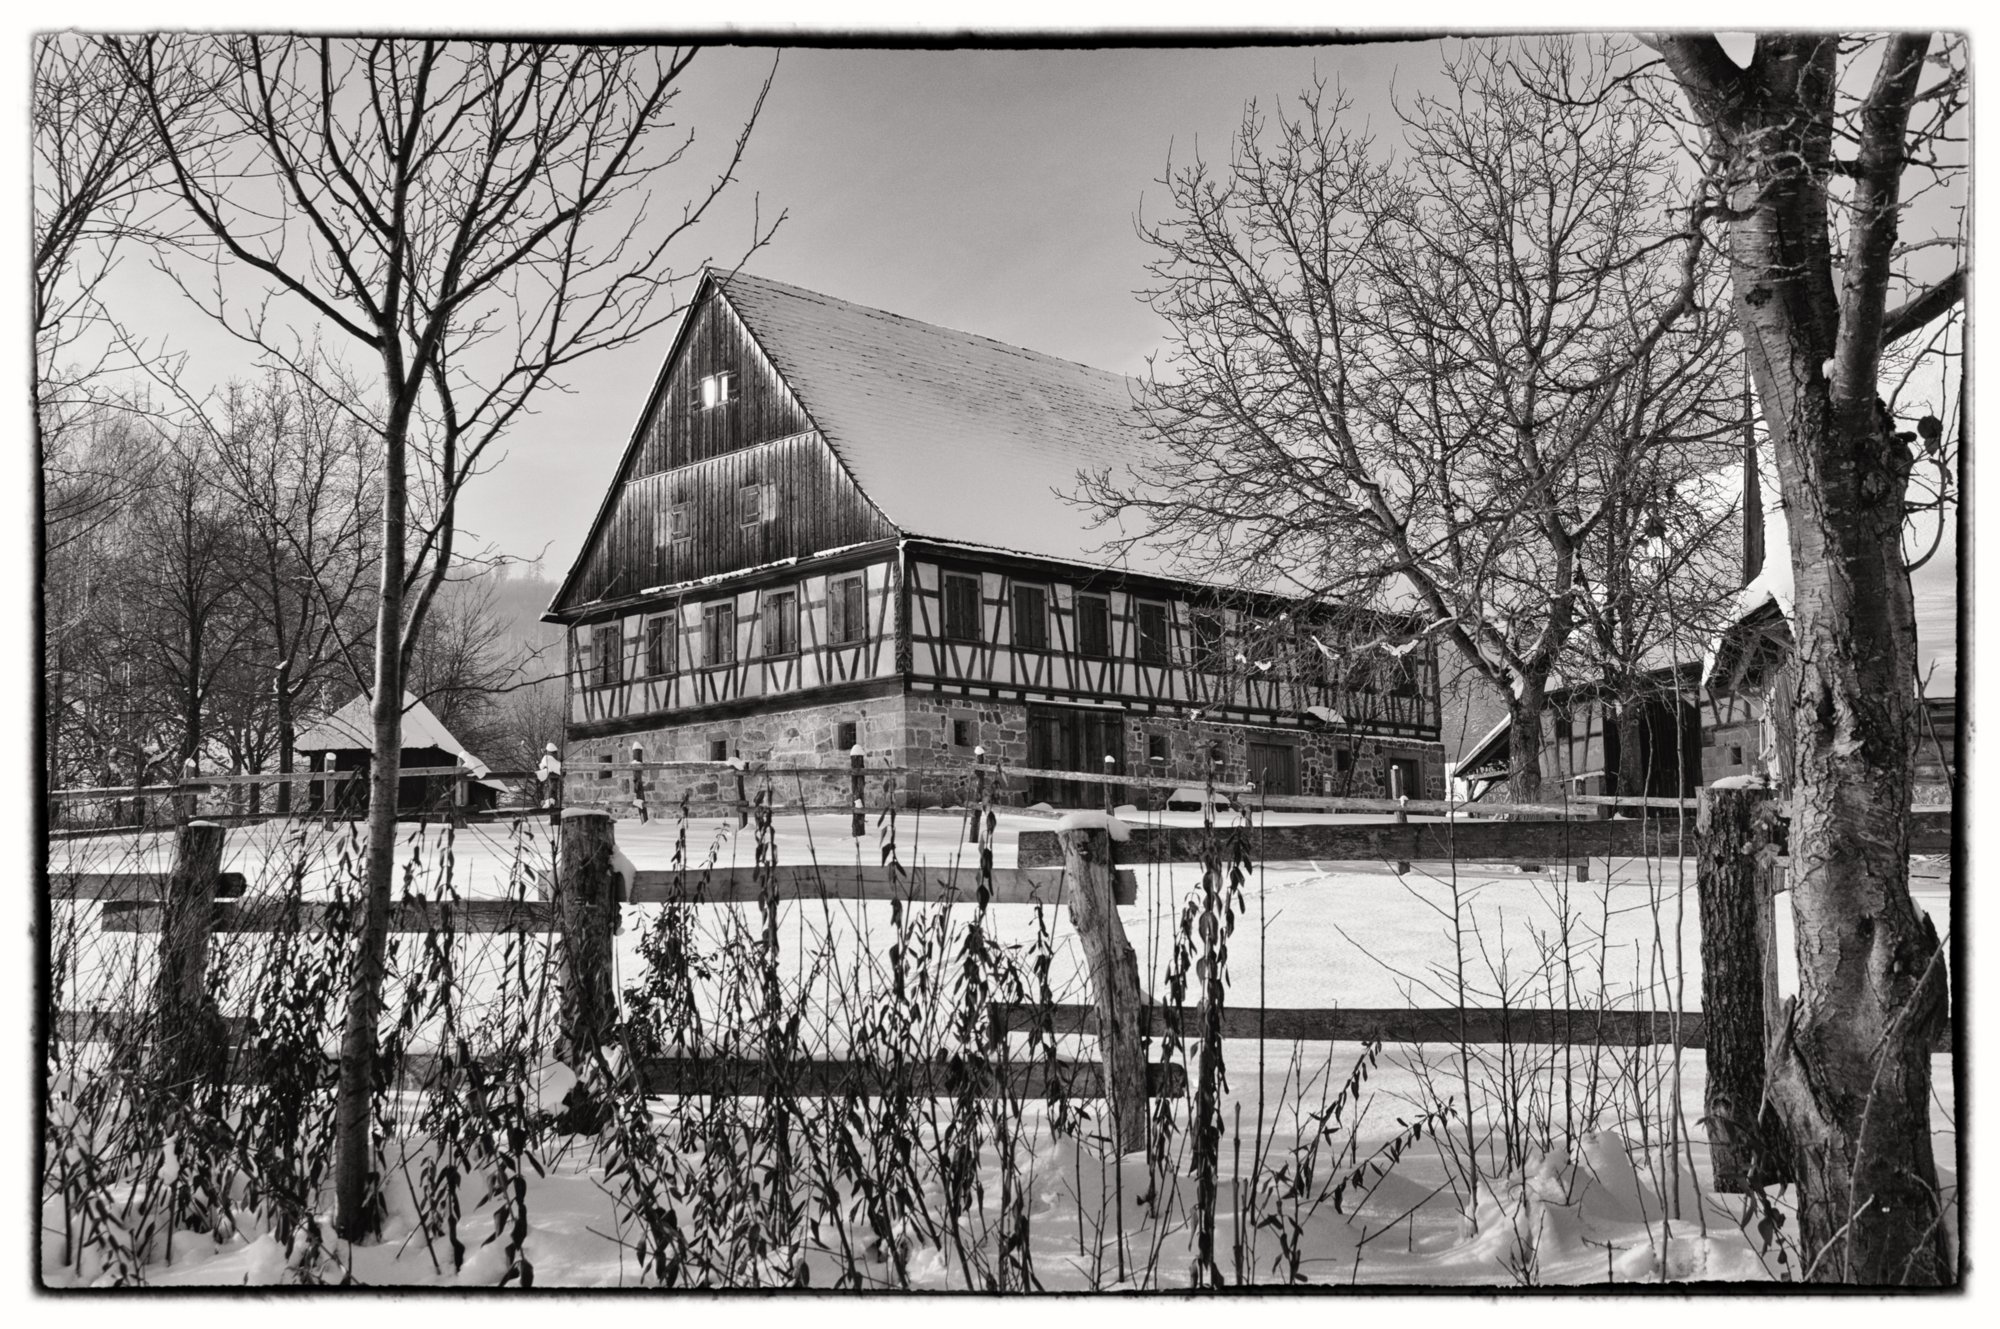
point(891, 316)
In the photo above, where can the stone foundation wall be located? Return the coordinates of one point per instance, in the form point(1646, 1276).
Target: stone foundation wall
point(1322, 772)
point(925, 729)
point(805, 736)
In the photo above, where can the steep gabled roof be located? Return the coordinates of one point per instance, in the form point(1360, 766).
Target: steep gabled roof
point(953, 436)
point(353, 727)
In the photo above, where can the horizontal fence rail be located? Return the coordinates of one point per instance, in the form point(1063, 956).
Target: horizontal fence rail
point(1478, 1025)
point(1475, 842)
point(134, 886)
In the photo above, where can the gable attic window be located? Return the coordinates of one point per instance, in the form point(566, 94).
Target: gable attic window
point(715, 390)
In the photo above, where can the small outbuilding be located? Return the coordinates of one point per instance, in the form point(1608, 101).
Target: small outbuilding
point(344, 742)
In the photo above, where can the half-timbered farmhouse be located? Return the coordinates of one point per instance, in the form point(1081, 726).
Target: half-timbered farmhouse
point(834, 527)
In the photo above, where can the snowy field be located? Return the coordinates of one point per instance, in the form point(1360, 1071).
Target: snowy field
point(1631, 1204)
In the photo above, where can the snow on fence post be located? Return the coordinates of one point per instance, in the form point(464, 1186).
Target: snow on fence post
point(1734, 878)
point(1114, 980)
point(187, 1030)
point(586, 904)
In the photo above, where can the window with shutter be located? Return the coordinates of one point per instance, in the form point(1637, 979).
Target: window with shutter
point(659, 647)
point(781, 623)
point(1031, 618)
point(1210, 653)
point(607, 648)
point(718, 635)
point(847, 620)
point(1093, 626)
point(1153, 634)
point(961, 608)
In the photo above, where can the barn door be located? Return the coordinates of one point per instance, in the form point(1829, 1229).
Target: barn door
point(1274, 768)
point(1074, 738)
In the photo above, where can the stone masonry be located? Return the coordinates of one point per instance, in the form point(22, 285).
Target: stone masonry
point(925, 729)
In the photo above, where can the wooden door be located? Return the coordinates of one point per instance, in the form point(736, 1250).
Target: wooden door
point(1074, 738)
point(1274, 768)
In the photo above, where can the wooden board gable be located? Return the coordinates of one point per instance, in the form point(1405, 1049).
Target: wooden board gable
point(712, 485)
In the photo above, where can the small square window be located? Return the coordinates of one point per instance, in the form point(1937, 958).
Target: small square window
point(846, 736)
point(750, 505)
point(604, 771)
point(961, 733)
point(715, 390)
point(718, 749)
point(1735, 755)
point(1159, 748)
point(1343, 760)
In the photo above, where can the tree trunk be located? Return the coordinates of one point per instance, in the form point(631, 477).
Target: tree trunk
point(285, 736)
point(1747, 1142)
point(1524, 741)
point(354, 1216)
point(1851, 1068)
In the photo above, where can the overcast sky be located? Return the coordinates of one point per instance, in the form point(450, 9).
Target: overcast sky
point(991, 191)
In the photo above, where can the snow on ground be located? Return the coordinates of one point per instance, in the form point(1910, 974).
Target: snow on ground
point(1310, 934)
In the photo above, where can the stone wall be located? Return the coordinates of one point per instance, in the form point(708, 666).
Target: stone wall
point(925, 729)
point(1363, 774)
point(804, 736)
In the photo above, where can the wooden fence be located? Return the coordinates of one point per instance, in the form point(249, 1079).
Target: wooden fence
point(1736, 880)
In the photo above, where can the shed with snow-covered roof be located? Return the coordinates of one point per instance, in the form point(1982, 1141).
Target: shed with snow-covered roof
point(345, 741)
point(836, 527)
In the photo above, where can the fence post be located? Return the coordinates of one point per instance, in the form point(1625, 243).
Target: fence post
point(857, 786)
point(978, 804)
point(188, 1032)
point(586, 905)
point(1114, 979)
point(1748, 1146)
point(1402, 798)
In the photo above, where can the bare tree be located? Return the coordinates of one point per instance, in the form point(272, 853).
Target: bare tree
point(1403, 382)
point(305, 479)
point(476, 217)
point(184, 620)
point(1815, 150)
point(463, 665)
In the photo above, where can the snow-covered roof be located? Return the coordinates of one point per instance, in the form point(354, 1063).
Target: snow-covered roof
point(953, 436)
point(353, 727)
